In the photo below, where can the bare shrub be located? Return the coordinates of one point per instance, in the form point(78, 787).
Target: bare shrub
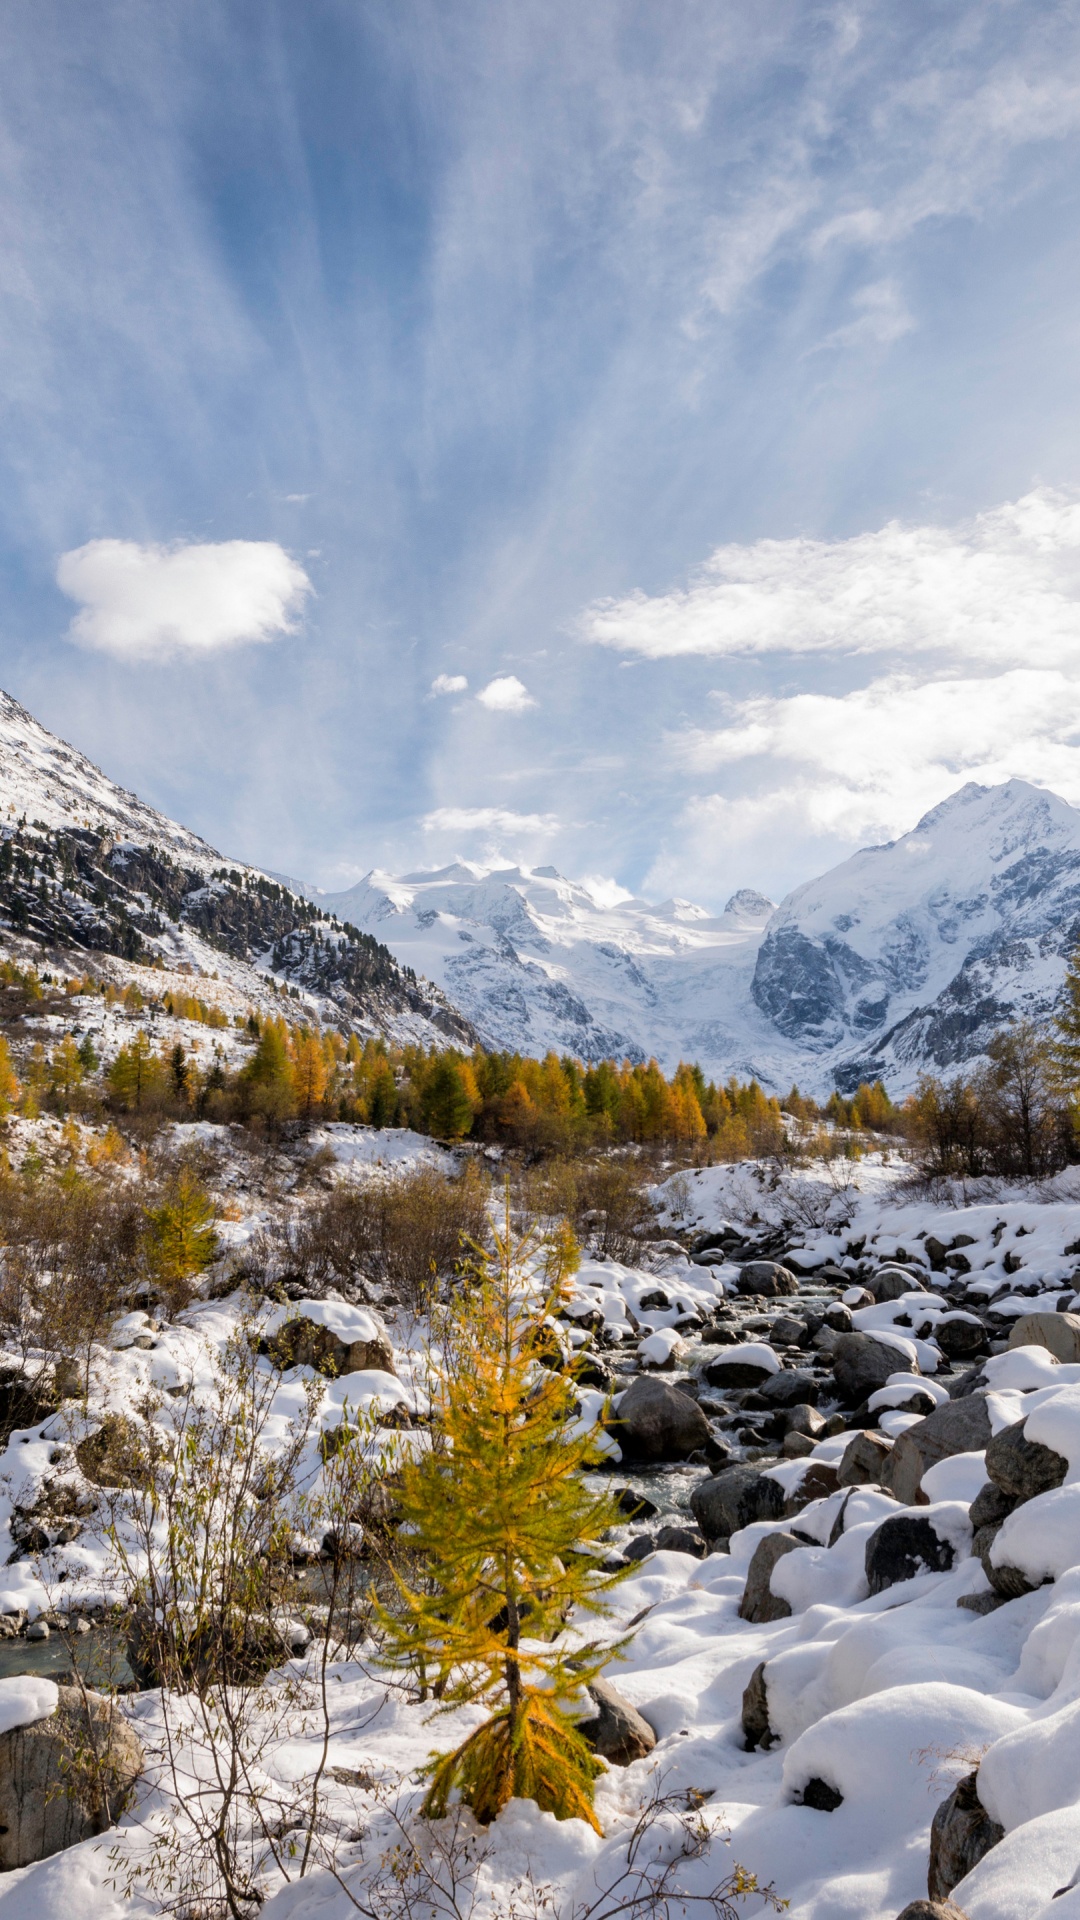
point(604, 1200)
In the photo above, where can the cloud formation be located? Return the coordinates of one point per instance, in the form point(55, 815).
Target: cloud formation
point(1001, 586)
point(487, 820)
point(505, 694)
point(449, 683)
point(153, 602)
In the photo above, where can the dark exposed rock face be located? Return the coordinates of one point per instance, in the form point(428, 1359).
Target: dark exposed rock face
point(864, 1459)
point(306, 1343)
point(961, 1835)
point(862, 1364)
point(767, 1277)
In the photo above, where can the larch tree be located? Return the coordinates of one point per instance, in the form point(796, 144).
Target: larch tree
point(497, 1512)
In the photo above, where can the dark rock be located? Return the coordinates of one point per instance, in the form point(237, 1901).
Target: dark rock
point(590, 1371)
point(681, 1540)
point(767, 1277)
point(990, 1506)
point(733, 1498)
point(864, 1458)
point(759, 1604)
point(935, 1252)
point(819, 1480)
point(958, 1263)
point(654, 1302)
point(804, 1418)
point(891, 1283)
point(960, 1337)
point(961, 1834)
point(618, 1733)
point(639, 1548)
point(730, 1370)
point(755, 1712)
point(838, 1317)
point(51, 1794)
point(821, 1796)
point(862, 1364)
point(786, 1331)
point(1008, 1582)
point(903, 1546)
point(790, 1388)
point(1021, 1467)
point(957, 1426)
point(656, 1422)
point(635, 1505)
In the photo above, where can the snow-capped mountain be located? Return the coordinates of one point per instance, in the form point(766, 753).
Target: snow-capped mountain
point(905, 957)
point(85, 865)
point(536, 961)
point(913, 954)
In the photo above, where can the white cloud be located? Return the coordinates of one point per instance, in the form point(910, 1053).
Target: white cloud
point(151, 602)
point(505, 694)
point(819, 769)
point(449, 683)
point(882, 318)
point(1002, 586)
point(487, 820)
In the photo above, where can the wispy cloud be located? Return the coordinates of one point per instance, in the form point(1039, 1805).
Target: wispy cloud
point(488, 820)
point(153, 602)
point(1001, 586)
point(449, 683)
point(505, 694)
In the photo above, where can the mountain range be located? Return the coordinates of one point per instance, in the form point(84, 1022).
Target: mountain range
point(905, 957)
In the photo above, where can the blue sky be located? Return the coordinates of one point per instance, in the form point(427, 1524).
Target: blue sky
point(699, 383)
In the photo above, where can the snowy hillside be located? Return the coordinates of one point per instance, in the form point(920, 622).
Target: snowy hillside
point(907, 956)
point(85, 866)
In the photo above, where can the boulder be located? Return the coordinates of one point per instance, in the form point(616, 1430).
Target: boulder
point(819, 1480)
point(300, 1342)
point(731, 1370)
point(767, 1277)
point(755, 1712)
point(822, 1795)
point(1008, 1583)
point(759, 1604)
point(791, 1388)
point(935, 1250)
point(806, 1419)
point(787, 1331)
point(864, 1459)
point(891, 1283)
point(52, 1794)
point(681, 1540)
point(1020, 1467)
point(904, 1545)
point(961, 1336)
point(961, 1834)
point(734, 1498)
point(654, 1421)
point(957, 1426)
point(1059, 1333)
point(617, 1731)
point(990, 1506)
point(862, 1364)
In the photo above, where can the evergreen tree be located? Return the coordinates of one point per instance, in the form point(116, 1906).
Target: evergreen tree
point(309, 1073)
point(497, 1511)
point(445, 1104)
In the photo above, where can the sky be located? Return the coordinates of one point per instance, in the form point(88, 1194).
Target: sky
point(638, 438)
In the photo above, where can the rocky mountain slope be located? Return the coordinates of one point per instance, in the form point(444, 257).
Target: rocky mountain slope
point(86, 866)
point(907, 956)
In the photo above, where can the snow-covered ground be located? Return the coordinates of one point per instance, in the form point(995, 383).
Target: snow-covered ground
point(887, 1698)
